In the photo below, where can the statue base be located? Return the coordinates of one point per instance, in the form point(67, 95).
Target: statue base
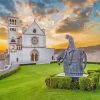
point(74, 77)
point(63, 74)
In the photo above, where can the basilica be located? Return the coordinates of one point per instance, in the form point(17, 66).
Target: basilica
point(30, 47)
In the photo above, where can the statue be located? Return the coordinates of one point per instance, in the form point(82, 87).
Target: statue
point(74, 60)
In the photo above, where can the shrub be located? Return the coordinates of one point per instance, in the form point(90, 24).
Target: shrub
point(64, 82)
point(96, 77)
point(54, 82)
point(93, 83)
point(47, 81)
point(90, 82)
point(75, 84)
point(67, 82)
point(84, 83)
point(58, 82)
point(98, 70)
point(93, 71)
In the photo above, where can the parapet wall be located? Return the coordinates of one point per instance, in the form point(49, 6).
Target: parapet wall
point(93, 56)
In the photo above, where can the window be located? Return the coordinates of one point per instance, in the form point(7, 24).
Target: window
point(13, 40)
point(12, 29)
point(34, 40)
point(34, 30)
point(34, 55)
point(12, 21)
point(15, 22)
point(52, 58)
point(17, 59)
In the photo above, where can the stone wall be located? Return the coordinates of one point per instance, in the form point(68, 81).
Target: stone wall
point(93, 56)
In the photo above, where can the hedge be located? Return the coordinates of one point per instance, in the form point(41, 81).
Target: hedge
point(74, 85)
point(93, 71)
point(8, 73)
point(59, 82)
point(83, 83)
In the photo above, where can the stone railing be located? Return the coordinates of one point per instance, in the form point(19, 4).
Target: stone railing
point(8, 68)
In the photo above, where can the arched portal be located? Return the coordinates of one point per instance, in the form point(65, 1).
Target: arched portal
point(34, 55)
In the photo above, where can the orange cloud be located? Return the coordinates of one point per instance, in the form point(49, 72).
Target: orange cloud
point(80, 41)
point(87, 37)
point(3, 45)
point(3, 33)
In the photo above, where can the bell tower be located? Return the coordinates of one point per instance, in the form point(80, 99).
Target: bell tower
point(12, 38)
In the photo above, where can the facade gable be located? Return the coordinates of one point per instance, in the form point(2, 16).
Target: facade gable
point(34, 29)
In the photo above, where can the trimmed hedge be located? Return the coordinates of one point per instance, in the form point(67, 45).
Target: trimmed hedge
point(8, 73)
point(59, 82)
point(74, 85)
point(83, 83)
point(93, 71)
point(88, 83)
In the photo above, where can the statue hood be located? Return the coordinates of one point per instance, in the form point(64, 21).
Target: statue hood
point(71, 45)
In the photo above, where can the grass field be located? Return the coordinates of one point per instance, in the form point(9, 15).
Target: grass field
point(29, 84)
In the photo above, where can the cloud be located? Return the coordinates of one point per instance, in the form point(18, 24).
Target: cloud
point(89, 40)
point(3, 33)
point(68, 26)
point(3, 45)
point(7, 6)
point(79, 1)
point(4, 11)
point(77, 16)
point(41, 8)
point(56, 16)
point(52, 11)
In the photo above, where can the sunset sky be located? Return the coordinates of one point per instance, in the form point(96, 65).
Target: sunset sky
point(79, 18)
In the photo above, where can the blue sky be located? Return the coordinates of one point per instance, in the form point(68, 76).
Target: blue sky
point(8, 6)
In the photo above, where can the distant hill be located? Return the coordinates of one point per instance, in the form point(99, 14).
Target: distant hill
point(92, 52)
point(92, 48)
point(87, 49)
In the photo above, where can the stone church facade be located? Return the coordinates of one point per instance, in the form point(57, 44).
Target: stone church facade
point(30, 47)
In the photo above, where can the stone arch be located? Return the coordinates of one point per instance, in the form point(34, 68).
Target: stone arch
point(34, 55)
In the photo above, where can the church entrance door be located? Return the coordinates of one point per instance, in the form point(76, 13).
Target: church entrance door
point(35, 55)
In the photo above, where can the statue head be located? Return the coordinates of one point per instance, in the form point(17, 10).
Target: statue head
point(71, 45)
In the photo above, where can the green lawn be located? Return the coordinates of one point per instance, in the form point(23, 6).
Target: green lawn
point(29, 84)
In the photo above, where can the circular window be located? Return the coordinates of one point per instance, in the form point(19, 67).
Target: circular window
point(34, 30)
point(34, 40)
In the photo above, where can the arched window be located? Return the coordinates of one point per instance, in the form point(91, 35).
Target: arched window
point(52, 57)
point(17, 59)
point(10, 29)
point(15, 22)
point(12, 21)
